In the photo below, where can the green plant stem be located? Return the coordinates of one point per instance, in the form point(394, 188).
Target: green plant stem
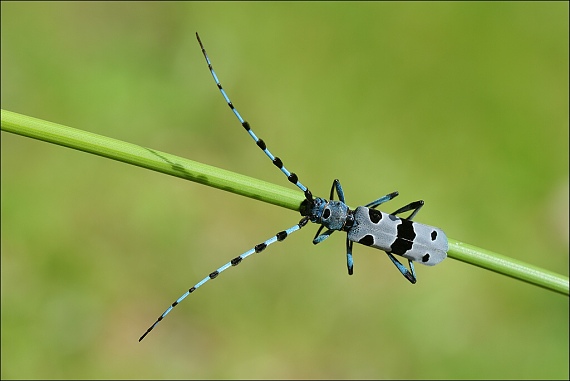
point(246, 186)
point(507, 266)
point(150, 159)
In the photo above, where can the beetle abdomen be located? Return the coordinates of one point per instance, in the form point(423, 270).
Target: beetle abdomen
point(418, 242)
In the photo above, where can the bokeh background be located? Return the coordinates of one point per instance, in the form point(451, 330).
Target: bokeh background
point(464, 105)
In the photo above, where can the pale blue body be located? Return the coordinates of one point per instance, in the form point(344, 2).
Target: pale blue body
point(385, 233)
point(416, 242)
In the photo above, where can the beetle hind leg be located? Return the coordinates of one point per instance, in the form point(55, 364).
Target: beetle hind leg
point(408, 274)
point(415, 206)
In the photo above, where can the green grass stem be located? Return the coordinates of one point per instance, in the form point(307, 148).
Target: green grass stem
point(150, 159)
point(246, 186)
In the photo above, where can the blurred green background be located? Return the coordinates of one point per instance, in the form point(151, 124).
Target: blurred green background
point(464, 105)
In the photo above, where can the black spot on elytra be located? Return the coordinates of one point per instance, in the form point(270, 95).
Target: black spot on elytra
point(367, 240)
point(375, 215)
point(425, 258)
point(405, 238)
point(400, 246)
point(326, 213)
point(433, 235)
point(406, 230)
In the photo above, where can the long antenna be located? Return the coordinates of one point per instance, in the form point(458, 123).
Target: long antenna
point(234, 262)
point(292, 177)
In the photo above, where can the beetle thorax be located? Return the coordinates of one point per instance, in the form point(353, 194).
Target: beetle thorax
point(334, 215)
